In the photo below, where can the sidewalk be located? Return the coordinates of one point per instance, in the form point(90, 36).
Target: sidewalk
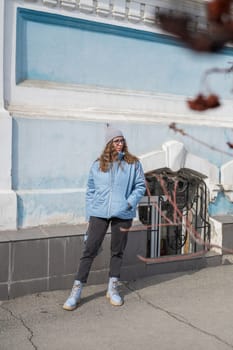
point(185, 311)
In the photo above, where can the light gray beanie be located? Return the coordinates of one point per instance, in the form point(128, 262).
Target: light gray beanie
point(111, 133)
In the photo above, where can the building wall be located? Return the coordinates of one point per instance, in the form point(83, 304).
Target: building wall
point(67, 72)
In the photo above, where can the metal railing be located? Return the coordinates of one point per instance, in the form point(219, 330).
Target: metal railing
point(175, 213)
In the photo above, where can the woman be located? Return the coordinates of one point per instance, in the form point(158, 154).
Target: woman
point(115, 186)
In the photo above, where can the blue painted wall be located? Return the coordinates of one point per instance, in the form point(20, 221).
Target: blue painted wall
point(51, 160)
point(68, 50)
point(53, 154)
point(50, 156)
point(57, 154)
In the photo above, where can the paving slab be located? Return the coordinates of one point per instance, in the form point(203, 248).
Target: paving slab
point(178, 311)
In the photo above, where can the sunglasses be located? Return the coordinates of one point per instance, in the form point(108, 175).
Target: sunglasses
point(119, 141)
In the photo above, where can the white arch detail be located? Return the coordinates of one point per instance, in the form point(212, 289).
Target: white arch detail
point(175, 156)
point(227, 179)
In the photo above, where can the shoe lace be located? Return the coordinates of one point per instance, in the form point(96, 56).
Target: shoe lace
point(114, 288)
point(75, 290)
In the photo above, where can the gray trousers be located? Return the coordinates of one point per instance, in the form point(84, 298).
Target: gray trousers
point(96, 232)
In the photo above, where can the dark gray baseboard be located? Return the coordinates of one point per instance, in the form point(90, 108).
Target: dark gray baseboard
point(44, 259)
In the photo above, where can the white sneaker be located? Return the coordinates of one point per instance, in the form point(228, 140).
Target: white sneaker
point(112, 293)
point(75, 296)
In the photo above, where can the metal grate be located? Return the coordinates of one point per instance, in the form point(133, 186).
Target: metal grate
point(175, 212)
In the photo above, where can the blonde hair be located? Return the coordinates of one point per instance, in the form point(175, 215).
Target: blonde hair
point(109, 155)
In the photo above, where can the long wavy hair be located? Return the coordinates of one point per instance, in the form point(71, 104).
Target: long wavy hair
point(109, 155)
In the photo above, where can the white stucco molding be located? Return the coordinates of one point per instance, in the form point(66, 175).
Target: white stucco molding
point(203, 166)
point(142, 12)
point(216, 235)
point(5, 150)
point(54, 100)
point(1, 53)
point(8, 203)
point(44, 99)
point(8, 210)
point(206, 168)
point(174, 156)
point(153, 160)
point(227, 179)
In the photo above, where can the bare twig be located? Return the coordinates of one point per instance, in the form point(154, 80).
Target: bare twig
point(203, 143)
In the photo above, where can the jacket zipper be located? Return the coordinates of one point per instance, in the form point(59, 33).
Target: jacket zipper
point(110, 194)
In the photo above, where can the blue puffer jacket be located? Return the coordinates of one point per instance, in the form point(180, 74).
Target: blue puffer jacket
point(114, 193)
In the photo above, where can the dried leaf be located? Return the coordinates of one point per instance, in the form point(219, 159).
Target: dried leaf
point(219, 33)
point(212, 101)
point(217, 10)
point(201, 102)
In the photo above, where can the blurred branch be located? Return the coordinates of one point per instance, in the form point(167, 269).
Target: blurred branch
point(203, 143)
point(218, 32)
